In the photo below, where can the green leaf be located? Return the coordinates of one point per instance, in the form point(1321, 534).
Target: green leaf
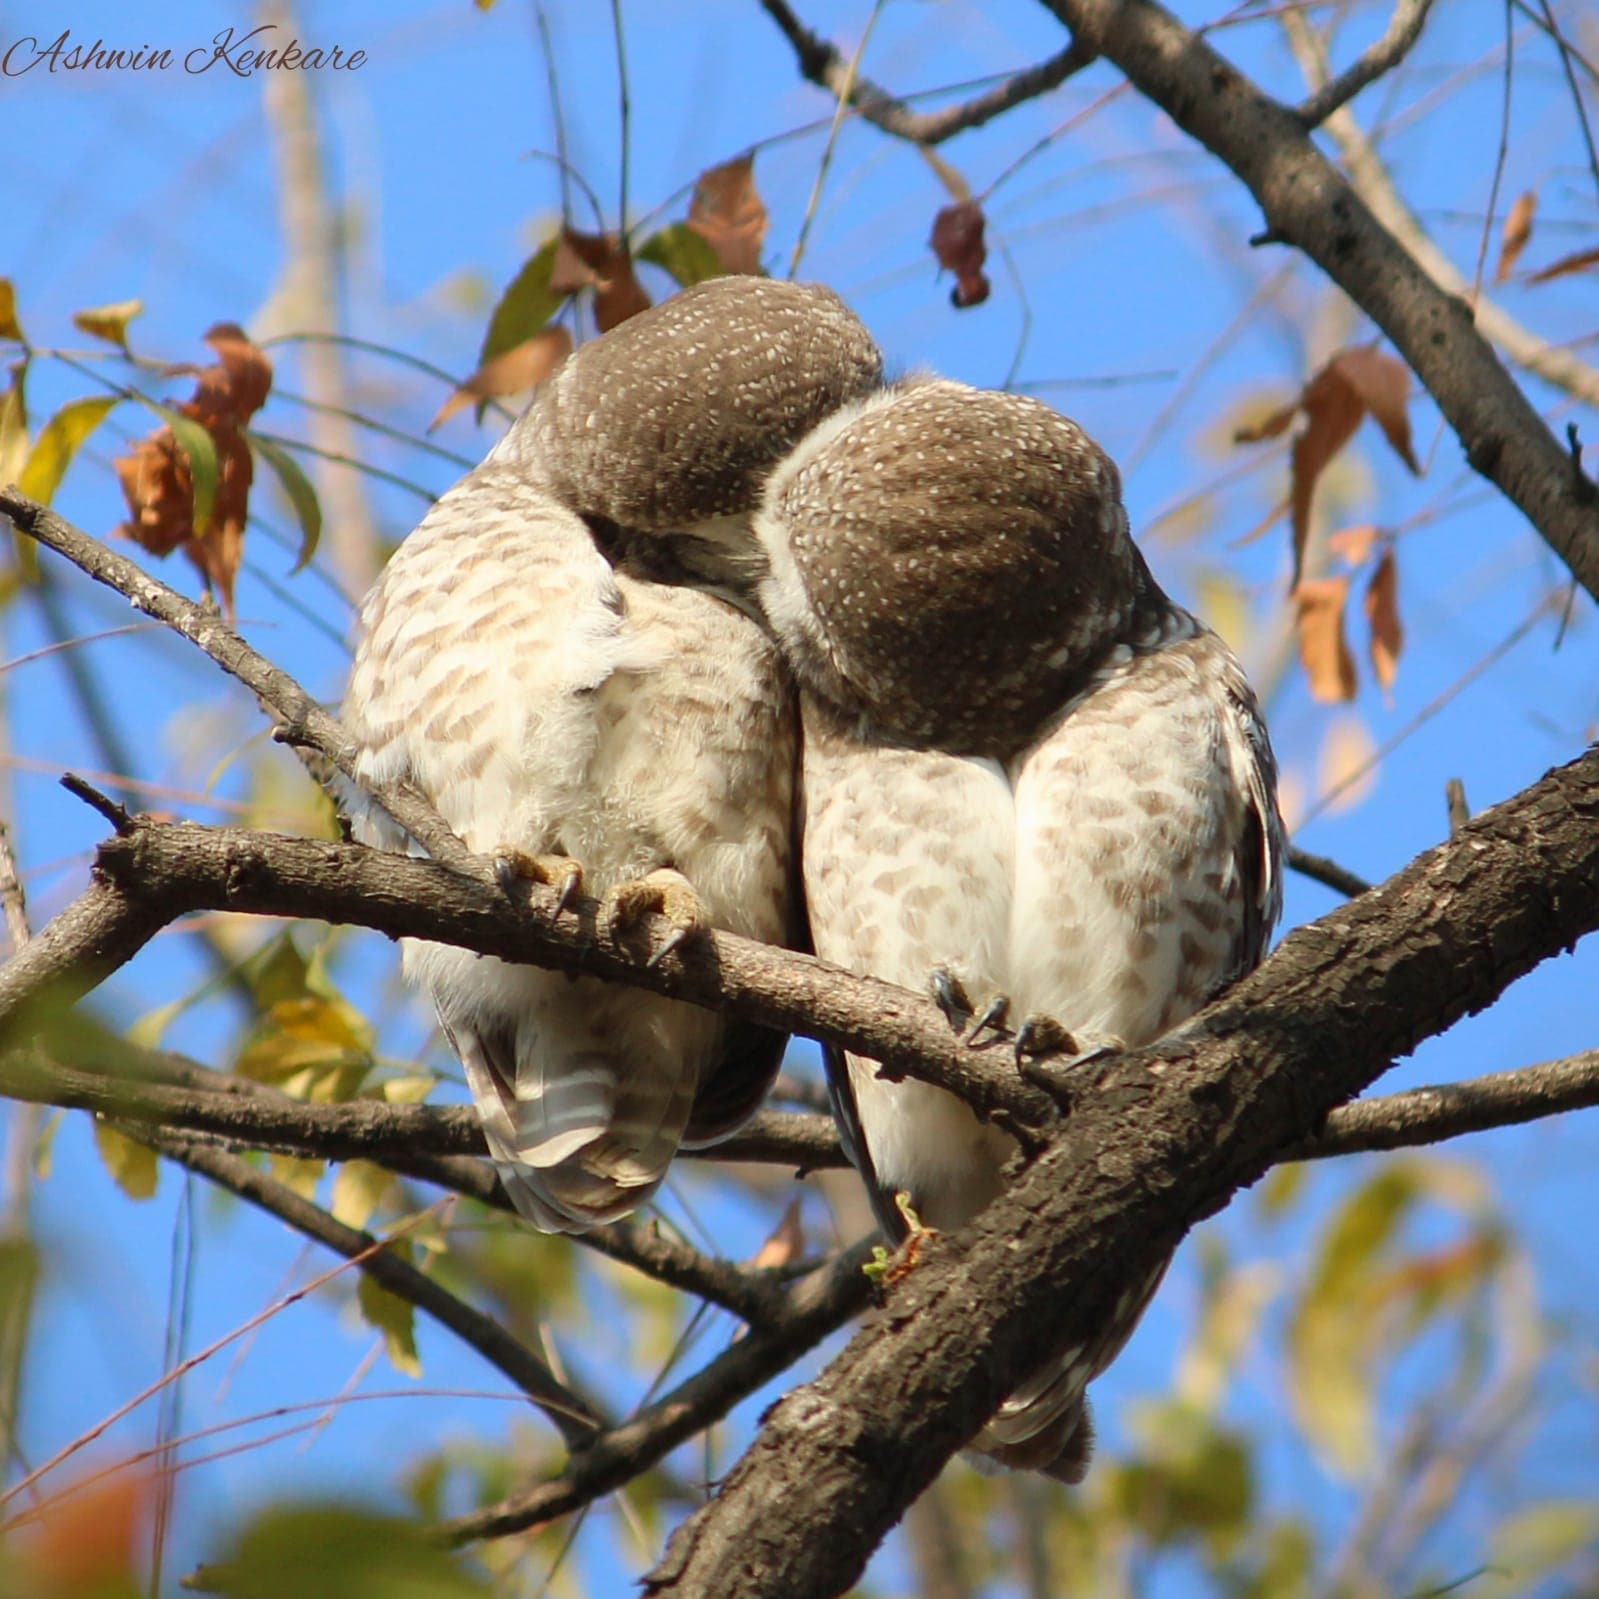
point(394, 1317)
point(133, 1167)
point(10, 328)
point(59, 440)
point(323, 1551)
point(525, 306)
point(108, 322)
point(200, 450)
point(684, 252)
point(301, 495)
point(44, 1146)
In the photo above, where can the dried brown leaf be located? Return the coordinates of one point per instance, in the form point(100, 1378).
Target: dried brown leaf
point(786, 1244)
point(1517, 230)
point(1268, 427)
point(728, 213)
point(1332, 413)
point(158, 481)
point(1566, 264)
point(1382, 383)
point(957, 241)
point(598, 261)
point(1355, 544)
point(1387, 633)
point(519, 368)
point(1323, 650)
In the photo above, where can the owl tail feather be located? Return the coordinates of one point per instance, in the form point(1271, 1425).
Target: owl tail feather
point(575, 1147)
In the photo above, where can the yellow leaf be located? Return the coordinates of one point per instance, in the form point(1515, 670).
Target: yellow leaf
point(10, 328)
point(1223, 604)
point(59, 440)
point(1347, 765)
point(13, 426)
point(299, 1176)
point(133, 1167)
point(407, 1090)
point(108, 322)
point(358, 1187)
point(395, 1318)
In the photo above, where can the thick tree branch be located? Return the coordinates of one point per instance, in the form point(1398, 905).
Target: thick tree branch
point(1309, 204)
point(302, 723)
point(575, 1421)
point(822, 63)
point(158, 872)
point(1162, 1139)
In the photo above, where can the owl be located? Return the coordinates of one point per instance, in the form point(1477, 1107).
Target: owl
point(592, 727)
point(1029, 778)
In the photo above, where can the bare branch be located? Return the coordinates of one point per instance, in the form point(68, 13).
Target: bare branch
point(1309, 204)
point(1447, 1110)
point(1326, 872)
point(815, 1306)
point(303, 724)
point(1163, 1138)
point(575, 1421)
point(12, 899)
point(823, 64)
point(1404, 29)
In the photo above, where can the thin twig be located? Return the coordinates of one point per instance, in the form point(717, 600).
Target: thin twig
point(1326, 872)
point(823, 64)
point(1404, 29)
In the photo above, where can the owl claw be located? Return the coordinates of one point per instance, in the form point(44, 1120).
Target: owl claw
point(1042, 1035)
point(1061, 1077)
point(994, 1014)
point(560, 872)
point(949, 994)
point(666, 893)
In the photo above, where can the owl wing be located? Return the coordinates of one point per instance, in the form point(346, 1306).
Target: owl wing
point(544, 702)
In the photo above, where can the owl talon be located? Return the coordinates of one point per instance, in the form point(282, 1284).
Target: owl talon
point(665, 893)
point(560, 872)
point(1042, 1035)
point(949, 994)
point(994, 1014)
point(1064, 1078)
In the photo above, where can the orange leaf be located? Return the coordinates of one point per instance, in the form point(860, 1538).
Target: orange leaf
point(1382, 384)
point(957, 241)
point(786, 1243)
point(158, 482)
point(1567, 263)
point(598, 261)
point(88, 1542)
point(729, 214)
point(1323, 650)
point(1518, 229)
point(517, 369)
point(1355, 544)
point(1382, 616)
point(1332, 413)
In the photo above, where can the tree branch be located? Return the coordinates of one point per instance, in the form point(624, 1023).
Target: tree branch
point(815, 1306)
point(1161, 1140)
point(302, 723)
point(575, 1421)
point(823, 64)
point(1309, 204)
point(1326, 872)
point(1404, 29)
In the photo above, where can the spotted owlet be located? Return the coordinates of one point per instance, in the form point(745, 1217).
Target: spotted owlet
point(1027, 773)
point(553, 704)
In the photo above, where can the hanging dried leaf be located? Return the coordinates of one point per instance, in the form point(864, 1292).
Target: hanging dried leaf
point(786, 1243)
point(1351, 385)
point(957, 241)
point(728, 213)
point(187, 485)
point(1387, 633)
point(598, 261)
point(1355, 544)
point(513, 372)
point(108, 322)
point(527, 304)
point(1323, 650)
point(1517, 230)
point(1566, 264)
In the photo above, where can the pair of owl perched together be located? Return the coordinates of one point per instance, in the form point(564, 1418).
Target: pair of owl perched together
point(1011, 764)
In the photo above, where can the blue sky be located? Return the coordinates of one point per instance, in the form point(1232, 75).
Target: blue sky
point(1125, 261)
